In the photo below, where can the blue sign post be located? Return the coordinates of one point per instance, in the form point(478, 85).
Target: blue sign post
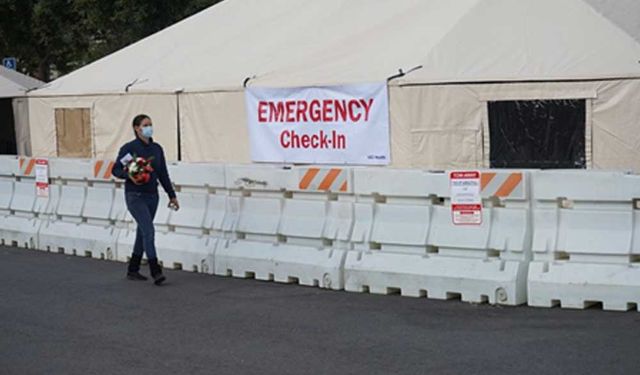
point(10, 63)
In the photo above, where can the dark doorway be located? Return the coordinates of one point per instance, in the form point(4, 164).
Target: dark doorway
point(7, 128)
point(537, 134)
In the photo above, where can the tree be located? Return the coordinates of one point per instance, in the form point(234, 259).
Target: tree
point(62, 35)
point(42, 35)
point(116, 24)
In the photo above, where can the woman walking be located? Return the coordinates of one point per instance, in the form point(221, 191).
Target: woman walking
point(142, 164)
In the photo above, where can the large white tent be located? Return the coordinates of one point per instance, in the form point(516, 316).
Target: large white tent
point(455, 58)
point(14, 112)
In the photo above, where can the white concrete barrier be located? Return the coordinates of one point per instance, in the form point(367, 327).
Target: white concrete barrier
point(548, 238)
point(585, 245)
point(119, 215)
point(6, 195)
point(405, 241)
point(20, 227)
point(285, 225)
point(8, 167)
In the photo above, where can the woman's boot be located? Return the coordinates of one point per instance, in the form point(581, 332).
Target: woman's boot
point(156, 271)
point(133, 272)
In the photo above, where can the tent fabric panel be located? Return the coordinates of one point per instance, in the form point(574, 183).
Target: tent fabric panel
point(435, 127)
point(214, 127)
point(613, 117)
point(616, 120)
point(21, 119)
point(432, 126)
point(111, 117)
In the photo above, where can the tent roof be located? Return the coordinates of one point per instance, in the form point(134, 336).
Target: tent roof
point(624, 13)
point(308, 42)
point(531, 41)
point(14, 84)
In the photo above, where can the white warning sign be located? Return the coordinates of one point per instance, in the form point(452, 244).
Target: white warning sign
point(42, 178)
point(466, 201)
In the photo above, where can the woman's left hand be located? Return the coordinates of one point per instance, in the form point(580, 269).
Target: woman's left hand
point(173, 202)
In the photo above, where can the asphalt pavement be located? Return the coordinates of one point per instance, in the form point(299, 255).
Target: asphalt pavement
point(61, 314)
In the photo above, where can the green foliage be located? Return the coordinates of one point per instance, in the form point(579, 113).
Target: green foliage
point(62, 35)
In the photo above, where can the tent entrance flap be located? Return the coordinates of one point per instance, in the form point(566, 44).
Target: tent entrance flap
point(73, 132)
point(7, 128)
point(537, 133)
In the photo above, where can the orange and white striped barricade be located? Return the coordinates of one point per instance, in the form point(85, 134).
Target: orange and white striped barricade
point(317, 179)
point(101, 172)
point(26, 168)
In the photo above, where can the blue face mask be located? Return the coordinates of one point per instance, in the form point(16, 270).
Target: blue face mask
point(147, 132)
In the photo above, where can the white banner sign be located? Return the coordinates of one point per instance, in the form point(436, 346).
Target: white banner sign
point(320, 125)
point(466, 201)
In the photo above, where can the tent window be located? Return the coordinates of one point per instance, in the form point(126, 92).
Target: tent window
point(73, 126)
point(537, 133)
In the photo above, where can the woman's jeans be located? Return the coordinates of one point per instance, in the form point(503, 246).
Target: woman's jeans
point(143, 207)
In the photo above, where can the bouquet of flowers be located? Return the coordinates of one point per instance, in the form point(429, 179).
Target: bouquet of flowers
point(139, 170)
